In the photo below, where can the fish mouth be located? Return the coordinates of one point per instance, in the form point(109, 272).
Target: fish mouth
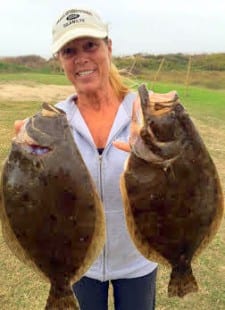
point(160, 109)
point(29, 145)
point(143, 141)
point(35, 149)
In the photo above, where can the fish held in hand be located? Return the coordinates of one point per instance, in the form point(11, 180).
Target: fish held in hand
point(52, 217)
point(171, 190)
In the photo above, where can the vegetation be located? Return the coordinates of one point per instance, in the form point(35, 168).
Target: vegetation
point(33, 77)
point(27, 64)
point(139, 62)
point(207, 70)
point(203, 98)
point(212, 62)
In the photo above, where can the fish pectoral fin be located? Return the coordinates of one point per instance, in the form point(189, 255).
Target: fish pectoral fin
point(49, 110)
point(166, 150)
point(142, 150)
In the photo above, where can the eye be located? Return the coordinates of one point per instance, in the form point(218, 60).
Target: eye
point(68, 52)
point(90, 46)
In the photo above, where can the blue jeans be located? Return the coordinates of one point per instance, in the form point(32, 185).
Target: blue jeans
point(129, 294)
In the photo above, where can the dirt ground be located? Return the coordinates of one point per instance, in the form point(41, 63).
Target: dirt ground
point(48, 93)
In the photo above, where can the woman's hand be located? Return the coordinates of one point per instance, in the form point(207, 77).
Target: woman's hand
point(123, 146)
point(18, 124)
point(134, 128)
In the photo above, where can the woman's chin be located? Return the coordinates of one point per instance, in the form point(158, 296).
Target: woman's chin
point(88, 88)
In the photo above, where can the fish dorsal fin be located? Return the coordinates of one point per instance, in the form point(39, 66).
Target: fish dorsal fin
point(49, 110)
point(157, 103)
point(169, 97)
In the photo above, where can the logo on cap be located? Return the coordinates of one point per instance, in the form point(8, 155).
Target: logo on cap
point(73, 16)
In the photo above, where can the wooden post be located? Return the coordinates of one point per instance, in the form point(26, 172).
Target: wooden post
point(132, 65)
point(187, 80)
point(157, 72)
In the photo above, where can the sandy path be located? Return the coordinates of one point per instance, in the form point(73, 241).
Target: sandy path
point(36, 92)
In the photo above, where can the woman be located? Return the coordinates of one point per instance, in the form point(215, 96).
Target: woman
point(99, 113)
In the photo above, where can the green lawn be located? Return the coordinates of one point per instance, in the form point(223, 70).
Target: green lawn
point(28, 78)
point(201, 102)
point(21, 288)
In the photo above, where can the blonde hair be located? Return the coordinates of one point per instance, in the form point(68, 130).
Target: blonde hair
point(117, 82)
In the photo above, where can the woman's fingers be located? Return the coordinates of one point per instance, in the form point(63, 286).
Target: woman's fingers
point(18, 124)
point(134, 128)
point(123, 146)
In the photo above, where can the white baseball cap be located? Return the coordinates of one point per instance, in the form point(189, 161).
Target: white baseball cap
point(77, 23)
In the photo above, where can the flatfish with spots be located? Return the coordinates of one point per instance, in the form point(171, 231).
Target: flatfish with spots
point(171, 189)
point(52, 217)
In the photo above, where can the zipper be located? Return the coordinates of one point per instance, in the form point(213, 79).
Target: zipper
point(100, 156)
point(101, 196)
point(100, 176)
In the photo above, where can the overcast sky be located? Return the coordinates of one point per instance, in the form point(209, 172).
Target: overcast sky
point(145, 26)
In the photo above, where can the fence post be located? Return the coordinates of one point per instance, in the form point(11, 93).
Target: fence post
point(132, 65)
point(157, 72)
point(187, 80)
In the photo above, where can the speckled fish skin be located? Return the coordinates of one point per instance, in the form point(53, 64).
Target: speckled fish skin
point(52, 216)
point(171, 190)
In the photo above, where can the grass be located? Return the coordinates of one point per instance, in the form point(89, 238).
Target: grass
point(202, 102)
point(33, 78)
point(21, 288)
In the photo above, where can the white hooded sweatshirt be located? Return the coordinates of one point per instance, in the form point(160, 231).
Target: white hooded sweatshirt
point(119, 258)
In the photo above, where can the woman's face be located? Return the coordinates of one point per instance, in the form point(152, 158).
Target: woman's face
point(86, 63)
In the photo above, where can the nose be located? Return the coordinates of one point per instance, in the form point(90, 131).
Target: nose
point(80, 58)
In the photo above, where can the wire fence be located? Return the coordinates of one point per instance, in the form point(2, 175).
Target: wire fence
point(187, 70)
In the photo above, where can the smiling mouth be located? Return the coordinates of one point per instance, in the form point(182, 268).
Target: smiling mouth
point(85, 73)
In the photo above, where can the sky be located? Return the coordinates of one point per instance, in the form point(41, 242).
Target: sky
point(135, 26)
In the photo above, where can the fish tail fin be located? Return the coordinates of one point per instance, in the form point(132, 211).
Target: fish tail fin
point(61, 298)
point(182, 283)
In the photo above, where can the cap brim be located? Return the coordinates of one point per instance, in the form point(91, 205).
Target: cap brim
point(75, 34)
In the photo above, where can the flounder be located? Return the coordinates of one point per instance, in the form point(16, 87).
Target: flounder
point(171, 189)
point(52, 217)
